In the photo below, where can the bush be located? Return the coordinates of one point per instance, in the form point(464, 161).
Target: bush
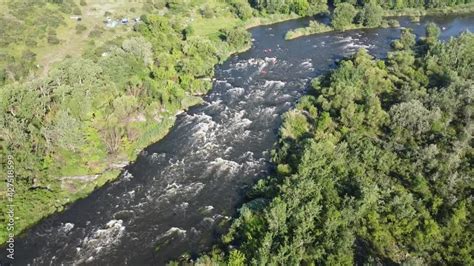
point(96, 32)
point(300, 7)
point(371, 15)
point(415, 19)
point(53, 39)
point(237, 37)
point(30, 42)
point(393, 23)
point(207, 12)
point(28, 56)
point(313, 28)
point(80, 28)
point(77, 11)
point(242, 9)
point(343, 16)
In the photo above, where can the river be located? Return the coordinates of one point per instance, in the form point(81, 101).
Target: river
point(181, 191)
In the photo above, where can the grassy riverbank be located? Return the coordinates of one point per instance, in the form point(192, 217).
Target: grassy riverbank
point(78, 99)
point(90, 111)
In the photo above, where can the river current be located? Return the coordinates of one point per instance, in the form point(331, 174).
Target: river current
point(181, 191)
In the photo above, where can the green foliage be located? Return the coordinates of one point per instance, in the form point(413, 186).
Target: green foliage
point(236, 37)
point(27, 25)
point(300, 7)
point(432, 33)
point(371, 15)
point(295, 125)
point(96, 32)
point(80, 28)
point(241, 8)
point(343, 16)
point(406, 42)
point(313, 27)
point(372, 167)
point(87, 113)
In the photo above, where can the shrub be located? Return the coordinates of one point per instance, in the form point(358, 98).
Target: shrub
point(343, 16)
point(371, 15)
point(77, 11)
point(242, 9)
point(96, 32)
point(80, 28)
point(53, 39)
point(207, 12)
point(237, 37)
point(313, 28)
point(393, 23)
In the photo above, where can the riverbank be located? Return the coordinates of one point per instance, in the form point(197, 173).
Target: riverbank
point(389, 20)
point(341, 175)
point(77, 176)
point(178, 182)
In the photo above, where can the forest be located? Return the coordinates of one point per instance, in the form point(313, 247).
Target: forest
point(383, 167)
point(372, 166)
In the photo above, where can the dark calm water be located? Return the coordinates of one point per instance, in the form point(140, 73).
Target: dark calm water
point(182, 189)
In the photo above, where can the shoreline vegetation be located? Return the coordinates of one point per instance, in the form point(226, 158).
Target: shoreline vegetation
point(72, 125)
point(76, 163)
point(372, 166)
point(386, 20)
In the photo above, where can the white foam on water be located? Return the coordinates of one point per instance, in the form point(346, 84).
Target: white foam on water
point(253, 165)
point(276, 83)
point(209, 208)
point(67, 227)
point(183, 205)
point(101, 239)
point(238, 120)
point(225, 82)
point(344, 39)
point(208, 220)
point(353, 45)
point(228, 150)
point(174, 230)
point(272, 60)
point(216, 103)
point(175, 188)
point(262, 66)
point(306, 63)
point(250, 62)
point(248, 155)
point(155, 157)
point(269, 111)
point(127, 175)
point(221, 166)
point(237, 91)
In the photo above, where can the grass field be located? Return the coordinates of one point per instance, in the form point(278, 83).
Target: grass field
point(93, 15)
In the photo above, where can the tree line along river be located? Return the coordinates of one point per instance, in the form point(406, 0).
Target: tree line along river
point(179, 194)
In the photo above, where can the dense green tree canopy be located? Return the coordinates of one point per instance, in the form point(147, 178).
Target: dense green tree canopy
point(123, 93)
point(343, 16)
point(372, 166)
